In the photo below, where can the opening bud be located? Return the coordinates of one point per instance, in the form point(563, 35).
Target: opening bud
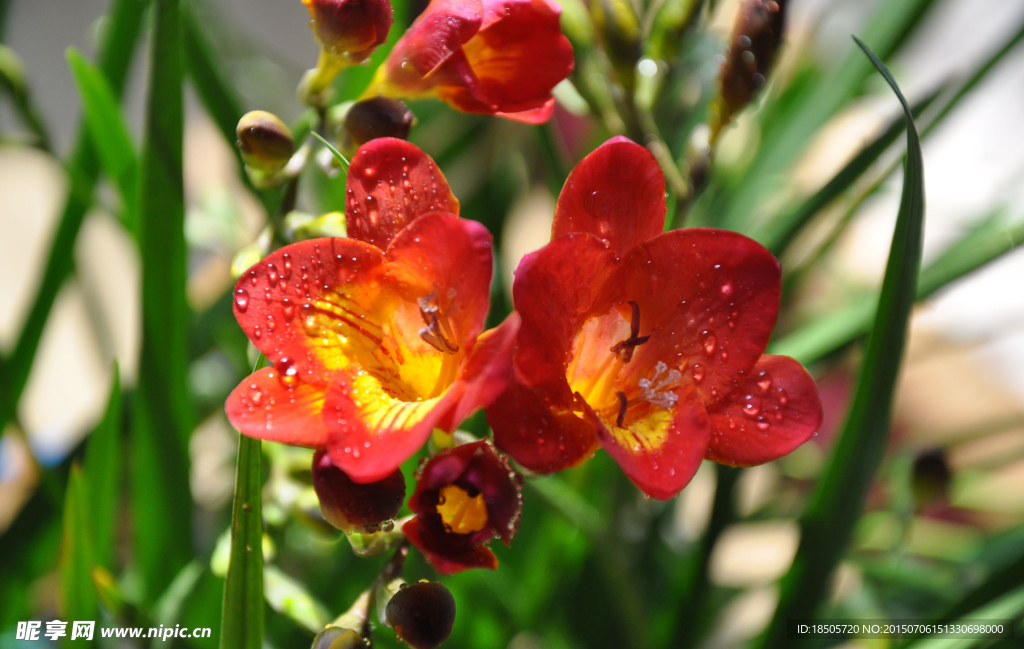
point(335, 637)
point(265, 142)
point(353, 28)
point(422, 614)
point(351, 506)
point(378, 117)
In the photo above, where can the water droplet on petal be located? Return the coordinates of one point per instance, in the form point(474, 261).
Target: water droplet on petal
point(710, 342)
point(241, 300)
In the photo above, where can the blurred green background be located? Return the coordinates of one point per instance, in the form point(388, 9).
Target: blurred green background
point(145, 471)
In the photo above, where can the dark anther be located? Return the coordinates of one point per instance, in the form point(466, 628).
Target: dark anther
point(432, 333)
point(623, 405)
point(627, 346)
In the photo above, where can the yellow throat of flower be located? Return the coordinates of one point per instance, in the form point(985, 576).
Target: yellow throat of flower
point(460, 513)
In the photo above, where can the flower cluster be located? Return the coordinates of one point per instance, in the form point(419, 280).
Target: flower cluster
point(645, 343)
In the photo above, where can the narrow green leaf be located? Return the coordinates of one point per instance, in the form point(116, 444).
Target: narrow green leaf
point(78, 595)
point(779, 231)
point(990, 239)
point(832, 513)
point(119, 39)
point(14, 83)
point(219, 98)
point(162, 502)
point(110, 135)
point(102, 469)
point(243, 613)
point(342, 160)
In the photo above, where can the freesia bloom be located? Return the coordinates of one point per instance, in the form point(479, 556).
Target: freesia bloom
point(376, 339)
point(647, 343)
point(464, 497)
point(495, 57)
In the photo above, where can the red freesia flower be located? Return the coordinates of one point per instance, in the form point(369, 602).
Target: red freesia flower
point(495, 57)
point(647, 343)
point(376, 339)
point(464, 497)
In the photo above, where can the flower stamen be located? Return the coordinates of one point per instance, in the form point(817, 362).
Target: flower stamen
point(658, 389)
point(434, 332)
point(624, 349)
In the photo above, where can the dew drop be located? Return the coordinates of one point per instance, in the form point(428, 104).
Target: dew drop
point(272, 273)
point(287, 371)
point(241, 300)
point(752, 406)
point(764, 381)
point(287, 308)
point(257, 332)
point(698, 372)
point(710, 342)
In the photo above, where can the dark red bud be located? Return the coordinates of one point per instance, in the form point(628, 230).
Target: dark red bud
point(351, 27)
point(351, 506)
point(378, 117)
point(422, 614)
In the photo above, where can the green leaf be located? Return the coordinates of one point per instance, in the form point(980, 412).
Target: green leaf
point(119, 39)
point(987, 241)
point(342, 160)
point(103, 119)
point(827, 524)
point(162, 502)
point(78, 595)
point(102, 469)
point(243, 613)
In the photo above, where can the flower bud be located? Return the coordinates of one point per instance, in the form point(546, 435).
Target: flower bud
point(353, 28)
point(378, 117)
point(931, 477)
point(351, 506)
point(265, 142)
point(335, 637)
point(422, 614)
point(755, 41)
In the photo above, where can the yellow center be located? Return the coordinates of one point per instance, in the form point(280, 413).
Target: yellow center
point(460, 513)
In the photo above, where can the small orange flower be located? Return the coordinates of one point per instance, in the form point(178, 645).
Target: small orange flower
point(376, 339)
point(495, 57)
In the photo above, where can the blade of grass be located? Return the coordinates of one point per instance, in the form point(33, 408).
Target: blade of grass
point(120, 37)
point(986, 242)
point(778, 232)
point(219, 98)
point(342, 160)
point(828, 523)
point(14, 83)
point(162, 502)
point(243, 612)
point(110, 135)
point(102, 470)
point(78, 595)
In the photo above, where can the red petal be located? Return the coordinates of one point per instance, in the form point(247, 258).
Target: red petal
point(390, 183)
point(485, 374)
point(775, 410)
point(661, 451)
point(535, 116)
point(448, 258)
point(539, 429)
point(439, 31)
point(309, 304)
point(616, 193)
point(708, 299)
point(555, 290)
point(517, 57)
point(288, 411)
point(448, 559)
